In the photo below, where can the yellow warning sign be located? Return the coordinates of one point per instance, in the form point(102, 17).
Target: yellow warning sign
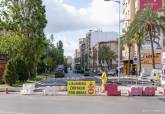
point(81, 88)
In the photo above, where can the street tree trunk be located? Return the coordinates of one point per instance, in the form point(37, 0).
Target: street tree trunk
point(139, 54)
point(110, 63)
point(153, 53)
point(129, 52)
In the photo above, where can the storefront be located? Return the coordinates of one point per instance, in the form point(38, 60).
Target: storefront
point(129, 65)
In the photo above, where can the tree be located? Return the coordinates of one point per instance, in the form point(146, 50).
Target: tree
point(60, 52)
point(105, 54)
point(10, 44)
point(137, 38)
point(111, 56)
point(27, 18)
point(127, 41)
point(150, 23)
point(10, 73)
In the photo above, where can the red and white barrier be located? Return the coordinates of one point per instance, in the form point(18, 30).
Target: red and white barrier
point(112, 90)
point(135, 91)
point(149, 91)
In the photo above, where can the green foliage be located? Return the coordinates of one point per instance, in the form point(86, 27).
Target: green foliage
point(147, 25)
point(24, 39)
point(77, 60)
point(26, 18)
point(105, 54)
point(60, 52)
point(10, 43)
point(10, 73)
point(21, 70)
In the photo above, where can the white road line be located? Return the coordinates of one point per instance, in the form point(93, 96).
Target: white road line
point(4, 112)
point(150, 110)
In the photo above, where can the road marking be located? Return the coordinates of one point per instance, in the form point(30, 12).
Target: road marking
point(150, 110)
point(4, 112)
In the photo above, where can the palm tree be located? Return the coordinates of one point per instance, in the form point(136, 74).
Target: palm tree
point(150, 23)
point(105, 54)
point(111, 56)
point(127, 40)
point(137, 38)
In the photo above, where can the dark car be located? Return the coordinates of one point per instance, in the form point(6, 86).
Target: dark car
point(59, 73)
point(99, 73)
point(66, 69)
point(78, 69)
point(112, 72)
point(87, 72)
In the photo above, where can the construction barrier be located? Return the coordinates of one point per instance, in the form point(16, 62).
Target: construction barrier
point(149, 91)
point(112, 89)
point(49, 91)
point(135, 91)
point(27, 89)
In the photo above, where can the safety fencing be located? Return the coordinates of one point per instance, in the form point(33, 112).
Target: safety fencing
point(90, 89)
point(112, 90)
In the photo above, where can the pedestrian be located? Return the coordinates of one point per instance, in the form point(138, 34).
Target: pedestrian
point(116, 72)
point(158, 78)
point(103, 79)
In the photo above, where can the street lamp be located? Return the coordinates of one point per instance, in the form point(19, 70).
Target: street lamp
point(118, 39)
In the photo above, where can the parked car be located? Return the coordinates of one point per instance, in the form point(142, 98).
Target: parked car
point(87, 72)
point(59, 73)
point(99, 73)
point(112, 72)
point(78, 68)
point(66, 69)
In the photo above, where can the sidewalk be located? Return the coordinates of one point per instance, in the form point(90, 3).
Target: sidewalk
point(11, 89)
point(121, 77)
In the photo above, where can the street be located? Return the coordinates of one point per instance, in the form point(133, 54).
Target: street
point(76, 76)
point(63, 81)
point(37, 104)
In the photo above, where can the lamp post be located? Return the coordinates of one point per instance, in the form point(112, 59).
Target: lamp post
point(118, 39)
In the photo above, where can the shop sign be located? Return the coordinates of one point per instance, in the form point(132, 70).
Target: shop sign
point(155, 4)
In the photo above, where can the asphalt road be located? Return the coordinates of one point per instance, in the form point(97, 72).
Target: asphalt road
point(74, 76)
point(37, 104)
point(63, 81)
point(59, 81)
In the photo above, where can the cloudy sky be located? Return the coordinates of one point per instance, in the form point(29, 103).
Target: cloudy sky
point(70, 20)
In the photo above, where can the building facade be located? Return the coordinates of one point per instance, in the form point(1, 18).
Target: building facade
point(87, 44)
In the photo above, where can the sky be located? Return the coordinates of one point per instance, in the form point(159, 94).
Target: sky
point(69, 20)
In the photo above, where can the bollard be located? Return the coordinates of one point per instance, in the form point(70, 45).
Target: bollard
point(6, 90)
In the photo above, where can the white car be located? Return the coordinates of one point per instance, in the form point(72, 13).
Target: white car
point(112, 72)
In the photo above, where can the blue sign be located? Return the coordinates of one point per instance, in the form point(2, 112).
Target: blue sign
point(135, 61)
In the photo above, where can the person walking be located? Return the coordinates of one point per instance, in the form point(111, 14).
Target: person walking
point(103, 79)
